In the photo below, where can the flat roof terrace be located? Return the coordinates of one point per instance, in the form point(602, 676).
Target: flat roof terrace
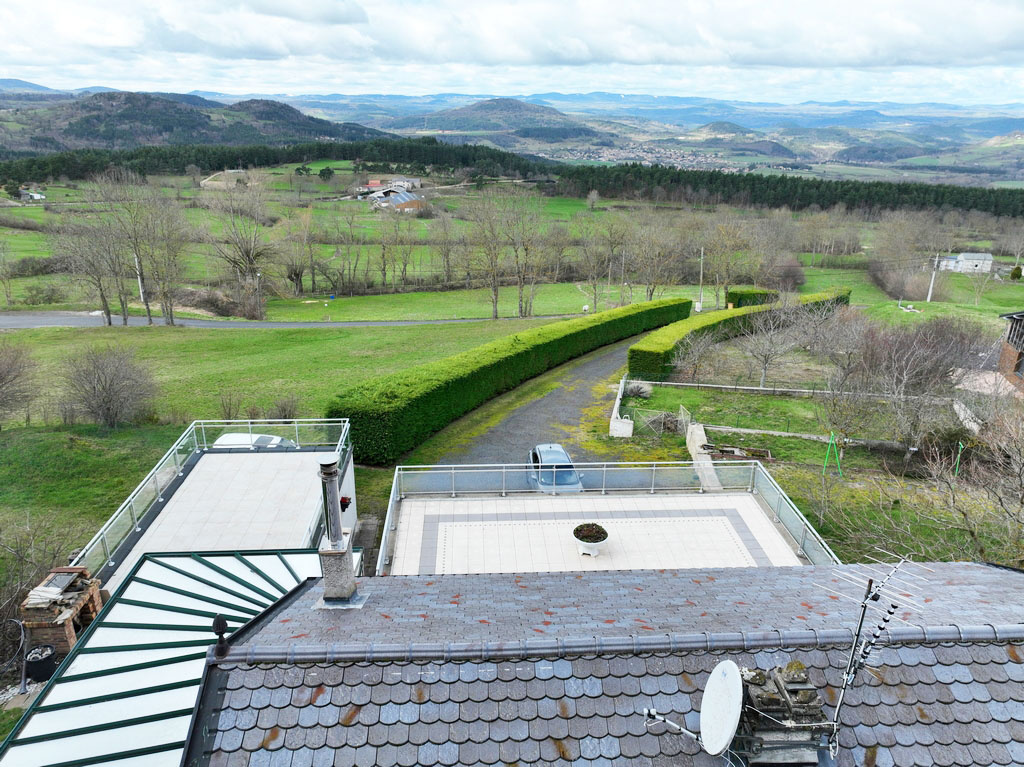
point(493, 519)
point(227, 485)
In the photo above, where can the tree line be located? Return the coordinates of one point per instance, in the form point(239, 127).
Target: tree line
point(654, 182)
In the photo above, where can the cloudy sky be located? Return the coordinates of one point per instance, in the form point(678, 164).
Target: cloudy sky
point(779, 50)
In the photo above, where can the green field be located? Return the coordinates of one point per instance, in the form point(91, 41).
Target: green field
point(194, 366)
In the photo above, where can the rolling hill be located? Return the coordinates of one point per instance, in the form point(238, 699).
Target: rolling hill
point(488, 115)
point(121, 120)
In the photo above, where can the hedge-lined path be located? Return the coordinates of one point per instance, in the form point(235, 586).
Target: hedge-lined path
point(26, 320)
point(551, 417)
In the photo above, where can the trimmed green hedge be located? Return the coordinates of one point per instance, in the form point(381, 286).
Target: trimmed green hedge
point(740, 297)
point(396, 413)
point(650, 359)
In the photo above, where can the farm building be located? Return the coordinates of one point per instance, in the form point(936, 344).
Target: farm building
point(967, 263)
point(406, 202)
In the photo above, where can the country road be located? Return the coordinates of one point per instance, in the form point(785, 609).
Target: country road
point(26, 320)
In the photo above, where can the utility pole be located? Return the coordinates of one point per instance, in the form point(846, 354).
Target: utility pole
point(931, 285)
point(700, 297)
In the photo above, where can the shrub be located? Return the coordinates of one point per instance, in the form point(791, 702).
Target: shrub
point(110, 386)
point(284, 409)
point(398, 412)
point(43, 294)
point(638, 389)
point(740, 297)
point(651, 357)
point(1015, 273)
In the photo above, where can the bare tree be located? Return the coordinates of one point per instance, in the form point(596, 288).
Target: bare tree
point(694, 357)
point(487, 253)
point(130, 204)
point(99, 259)
point(592, 199)
point(652, 250)
point(17, 384)
point(170, 235)
point(725, 239)
point(243, 245)
point(1013, 241)
point(521, 223)
point(767, 336)
point(447, 244)
point(109, 385)
point(592, 259)
point(980, 282)
point(6, 272)
point(912, 366)
point(614, 233)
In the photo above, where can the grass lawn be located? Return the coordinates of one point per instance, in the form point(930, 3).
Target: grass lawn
point(560, 298)
point(9, 718)
point(747, 411)
point(864, 291)
point(194, 366)
point(68, 480)
point(793, 450)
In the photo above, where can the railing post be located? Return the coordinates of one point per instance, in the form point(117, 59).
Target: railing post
point(251, 446)
point(159, 490)
point(203, 426)
point(778, 505)
point(106, 551)
point(654, 469)
point(177, 463)
point(604, 479)
point(503, 480)
point(803, 541)
point(453, 481)
point(135, 518)
point(297, 434)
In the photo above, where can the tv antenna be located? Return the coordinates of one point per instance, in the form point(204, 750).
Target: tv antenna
point(729, 693)
point(889, 586)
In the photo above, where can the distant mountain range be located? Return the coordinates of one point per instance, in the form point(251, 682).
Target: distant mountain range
point(120, 120)
point(836, 139)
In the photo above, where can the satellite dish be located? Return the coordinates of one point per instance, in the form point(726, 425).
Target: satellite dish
point(720, 708)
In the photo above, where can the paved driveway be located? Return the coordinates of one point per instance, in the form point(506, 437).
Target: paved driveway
point(549, 418)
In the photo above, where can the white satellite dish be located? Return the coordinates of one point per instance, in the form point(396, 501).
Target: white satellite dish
point(721, 707)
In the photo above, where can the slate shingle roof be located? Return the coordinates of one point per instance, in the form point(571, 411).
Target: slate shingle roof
point(386, 685)
point(510, 607)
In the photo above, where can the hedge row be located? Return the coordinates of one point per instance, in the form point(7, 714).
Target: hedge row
point(740, 297)
point(396, 413)
point(650, 359)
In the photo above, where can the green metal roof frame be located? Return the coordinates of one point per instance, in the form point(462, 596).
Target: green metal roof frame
point(39, 705)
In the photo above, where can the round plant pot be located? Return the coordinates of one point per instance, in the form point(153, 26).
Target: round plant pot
point(41, 662)
point(589, 539)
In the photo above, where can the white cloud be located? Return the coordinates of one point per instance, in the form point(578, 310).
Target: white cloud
point(787, 50)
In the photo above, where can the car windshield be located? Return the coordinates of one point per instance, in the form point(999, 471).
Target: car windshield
point(263, 441)
point(558, 475)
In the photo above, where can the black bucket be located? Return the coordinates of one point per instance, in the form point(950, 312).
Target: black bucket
point(41, 662)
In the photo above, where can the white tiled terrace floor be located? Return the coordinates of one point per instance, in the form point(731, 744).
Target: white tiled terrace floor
point(534, 534)
point(235, 501)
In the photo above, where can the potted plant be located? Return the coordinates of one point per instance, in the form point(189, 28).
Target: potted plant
point(590, 538)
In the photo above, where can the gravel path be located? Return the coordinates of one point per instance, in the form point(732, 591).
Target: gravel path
point(543, 420)
point(25, 320)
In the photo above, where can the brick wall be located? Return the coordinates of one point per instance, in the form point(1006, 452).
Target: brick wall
point(1007, 361)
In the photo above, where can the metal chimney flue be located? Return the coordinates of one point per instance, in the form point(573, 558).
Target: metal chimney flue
point(339, 580)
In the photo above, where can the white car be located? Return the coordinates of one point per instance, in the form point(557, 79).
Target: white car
point(551, 470)
point(251, 441)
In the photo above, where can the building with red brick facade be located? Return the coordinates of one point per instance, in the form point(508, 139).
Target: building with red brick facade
point(1011, 359)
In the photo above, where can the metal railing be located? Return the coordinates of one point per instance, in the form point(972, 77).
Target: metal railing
point(390, 525)
point(199, 437)
point(604, 478)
